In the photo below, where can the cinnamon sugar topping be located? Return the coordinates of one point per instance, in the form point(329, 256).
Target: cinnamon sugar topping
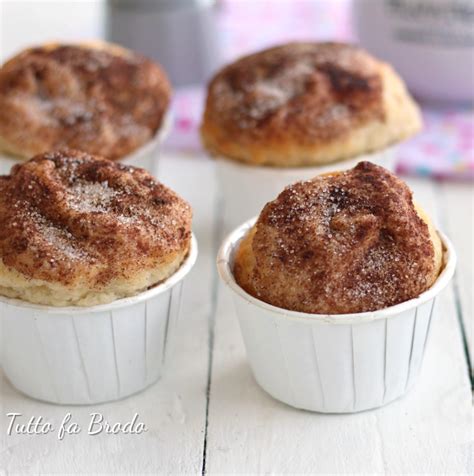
point(321, 90)
point(342, 243)
point(67, 217)
point(101, 99)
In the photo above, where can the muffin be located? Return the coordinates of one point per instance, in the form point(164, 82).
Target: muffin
point(290, 112)
point(306, 104)
point(93, 255)
point(96, 97)
point(344, 242)
point(78, 230)
point(334, 286)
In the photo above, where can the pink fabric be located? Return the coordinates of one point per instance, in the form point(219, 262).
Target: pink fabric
point(443, 150)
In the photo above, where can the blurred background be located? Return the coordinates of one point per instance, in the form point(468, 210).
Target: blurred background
point(430, 43)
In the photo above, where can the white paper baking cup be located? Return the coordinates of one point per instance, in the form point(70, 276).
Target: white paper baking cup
point(333, 363)
point(145, 157)
point(245, 189)
point(86, 355)
point(7, 162)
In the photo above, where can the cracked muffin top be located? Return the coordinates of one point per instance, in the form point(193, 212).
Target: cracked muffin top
point(344, 242)
point(81, 230)
point(306, 104)
point(96, 97)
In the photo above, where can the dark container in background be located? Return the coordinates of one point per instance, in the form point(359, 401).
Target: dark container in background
point(180, 34)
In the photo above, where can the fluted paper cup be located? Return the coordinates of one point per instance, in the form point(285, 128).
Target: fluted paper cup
point(86, 355)
point(145, 157)
point(7, 162)
point(245, 189)
point(340, 363)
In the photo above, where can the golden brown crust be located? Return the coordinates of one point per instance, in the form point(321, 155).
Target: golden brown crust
point(88, 229)
point(306, 104)
point(340, 243)
point(96, 97)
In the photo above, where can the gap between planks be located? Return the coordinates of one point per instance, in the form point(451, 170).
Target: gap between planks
point(217, 238)
point(449, 194)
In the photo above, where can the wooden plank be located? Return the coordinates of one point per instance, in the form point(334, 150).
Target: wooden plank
point(456, 204)
point(173, 409)
point(428, 431)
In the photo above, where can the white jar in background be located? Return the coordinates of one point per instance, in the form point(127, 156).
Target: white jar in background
point(429, 42)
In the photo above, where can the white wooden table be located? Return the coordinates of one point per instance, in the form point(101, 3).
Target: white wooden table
point(207, 414)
